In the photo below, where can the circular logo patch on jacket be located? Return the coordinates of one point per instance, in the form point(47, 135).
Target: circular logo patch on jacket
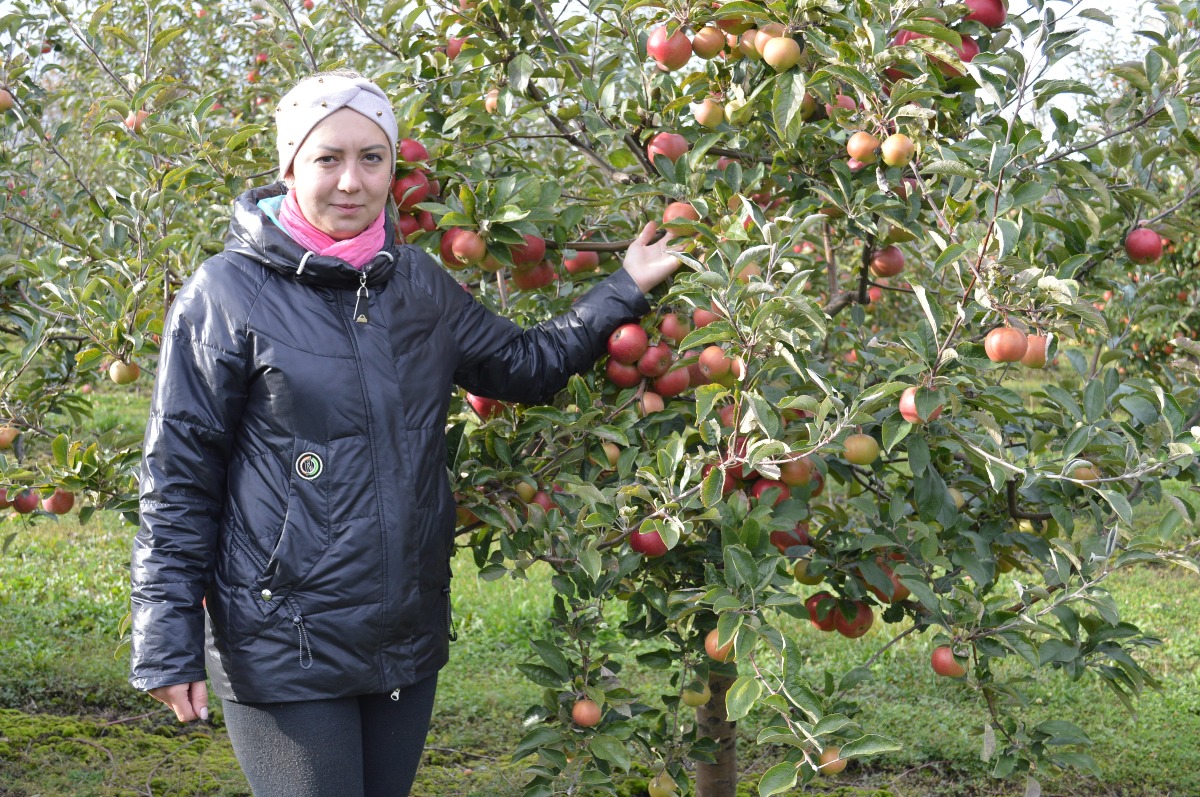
point(309, 466)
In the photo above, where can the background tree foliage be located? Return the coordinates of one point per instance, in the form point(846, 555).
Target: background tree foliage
point(990, 528)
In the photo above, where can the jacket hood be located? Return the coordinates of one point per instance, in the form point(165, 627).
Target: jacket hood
point(253, 233)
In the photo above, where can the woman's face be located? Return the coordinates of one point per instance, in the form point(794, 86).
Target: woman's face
point(342, 174)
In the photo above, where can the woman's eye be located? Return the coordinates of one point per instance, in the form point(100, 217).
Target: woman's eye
point(374, 157)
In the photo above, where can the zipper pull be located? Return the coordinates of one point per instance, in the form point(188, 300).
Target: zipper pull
point(361, 299)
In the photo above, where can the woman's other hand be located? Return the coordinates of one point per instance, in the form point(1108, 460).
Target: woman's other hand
point(188, 701)
point(650, 263)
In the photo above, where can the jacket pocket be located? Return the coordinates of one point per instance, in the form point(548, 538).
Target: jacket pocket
point(304, 535)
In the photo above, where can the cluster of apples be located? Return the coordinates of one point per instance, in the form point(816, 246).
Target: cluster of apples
point(413, 186)
point(60, 502)
point(1008, 345)
point(989, 13)
point(633, 358)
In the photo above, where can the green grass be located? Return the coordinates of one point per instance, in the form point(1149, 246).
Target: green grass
point(67, 727)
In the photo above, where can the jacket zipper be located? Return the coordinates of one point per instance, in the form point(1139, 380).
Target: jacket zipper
point(360, 304)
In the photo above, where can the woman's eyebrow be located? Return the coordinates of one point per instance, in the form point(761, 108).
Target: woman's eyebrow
point(340, 150)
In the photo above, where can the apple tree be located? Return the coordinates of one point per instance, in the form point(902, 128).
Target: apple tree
point(894, 389)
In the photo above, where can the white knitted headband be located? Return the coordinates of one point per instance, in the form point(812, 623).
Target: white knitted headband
point(315, 98)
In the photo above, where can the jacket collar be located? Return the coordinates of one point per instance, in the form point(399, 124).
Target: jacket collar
point(253, 233)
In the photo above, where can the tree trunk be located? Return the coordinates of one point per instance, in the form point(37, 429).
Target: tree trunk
point(719, 779)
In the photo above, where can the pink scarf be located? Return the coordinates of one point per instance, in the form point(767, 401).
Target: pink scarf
point(357, 251)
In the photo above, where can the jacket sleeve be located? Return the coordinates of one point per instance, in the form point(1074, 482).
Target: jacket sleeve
point(498, 359)
point(198, 395)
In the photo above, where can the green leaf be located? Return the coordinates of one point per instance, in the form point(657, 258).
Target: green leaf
point(952, 168)
point(589, 560)
point(870, 744)
point(553, 657)
point(520, 69)
point(739, 567)
point(713, 488)
point(1119, 504)
point(610, 749)
point(535, 739)
point(790, 88)
point(778, 779)
point(742, 696)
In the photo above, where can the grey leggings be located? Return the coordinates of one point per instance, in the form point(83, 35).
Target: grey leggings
point(367, 746)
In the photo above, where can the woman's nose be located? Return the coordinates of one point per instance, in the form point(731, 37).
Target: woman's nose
point(350, 179)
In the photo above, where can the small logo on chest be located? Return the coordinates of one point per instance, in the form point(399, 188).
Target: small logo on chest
point(309, 466)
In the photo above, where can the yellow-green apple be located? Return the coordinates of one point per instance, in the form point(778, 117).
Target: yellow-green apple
point(897, 150)
point(708, 42)
point(122, 373)
point(863, 147)
point(1035, 351)
point(861, 449)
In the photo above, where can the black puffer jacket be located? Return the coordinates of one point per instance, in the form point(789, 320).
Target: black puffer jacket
point(294, 464)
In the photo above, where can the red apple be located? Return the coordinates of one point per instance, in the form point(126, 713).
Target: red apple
point(586, 714)
point(670, 145)
point(671, 52)
point(656, 360)
point(945, 663)
point(783, 540)
point(412, 151)
point(528, 253)
point(702, 317)
point(534, 277)
point(760, 487)
point(674, 327)
point(782, 53)
point(856, 626)
point(622, 374)
point(1035, 351)
point(1005, 345)
point(485, 408)
point(628, 343)
point(410, 190)
point(908, 407)
point(25, 501)
point(863, 147)
point(59, 502)
point(990, 13)
point(673, 382)
point(454, 46)
point(135, 120)
point(1143, 245)
point(679, 211)
point(648, 543)
point(887, 262)
point(822, 608)
point(582, 263)
point(650, 402)
point(861, 449)
point(798, 471)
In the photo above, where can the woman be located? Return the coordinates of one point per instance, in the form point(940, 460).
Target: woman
point(293, 473)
